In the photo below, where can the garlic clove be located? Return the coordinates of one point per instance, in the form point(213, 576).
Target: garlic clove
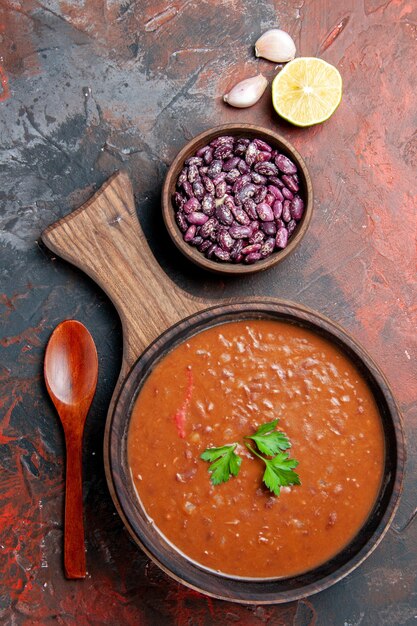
point(247, 92)
point(275, 45)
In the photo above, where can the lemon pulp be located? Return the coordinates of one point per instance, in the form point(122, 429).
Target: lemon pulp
point(307, 91)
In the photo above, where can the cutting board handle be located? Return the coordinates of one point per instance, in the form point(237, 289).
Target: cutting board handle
point(104, 239)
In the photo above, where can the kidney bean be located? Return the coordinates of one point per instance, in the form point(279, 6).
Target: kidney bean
point(274, 180)
point(223, 152)
point(221, 254)
point(241, 182)
point(224, 215)
point(178, 200)
point(208, 184)
point(264, 212)
point(253, 257)
point(262, 156)
point(297, 208)
point(229, 201)
point(287, 193)
point(232, 176)
point(196, 241)
point(275, 192)
point(215, 168)
point(223, 140)
point(188, 189)
point(240, 232)
point(240, 215)
point(269, 199)
point(269, 228)
point(195, 160)
point(262, 145)
point(291, 226)
point(266, 169)
point(225, 240)
point(220, 189)
point(254, 247)
point(243, 167)
point(193, 173)
point(280, 224)
point(197, 218)
point(254, 227)
point(191, 205)
point(208, 205)
point(219, 178)
point(277, 209)
point(236, 250)
point(181, 221)
point(257, 237)
point(209, 228)
point(281, 239)
point(240, 146)
point(290, 183)
point(267, 247)
point(251, 153)
point(201, 151)
point(258, 179)
point(285, 164)
point(250, 207)
point(183, 177)
point(286, 212)
point(260, 194)
point(208, 156)
point(210, 251)
point(247, 191)
point(198, 189)
point(230, 164)
point(204, 246)
point(190, 234)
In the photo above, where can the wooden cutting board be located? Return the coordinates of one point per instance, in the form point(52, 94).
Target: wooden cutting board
point(105, 240)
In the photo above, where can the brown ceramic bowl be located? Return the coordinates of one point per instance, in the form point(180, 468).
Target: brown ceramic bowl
point(235, 588)
point(237, 130)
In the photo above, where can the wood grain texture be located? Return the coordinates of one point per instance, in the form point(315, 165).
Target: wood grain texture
point(70, 372)
point(104, 239)
point(236, 130)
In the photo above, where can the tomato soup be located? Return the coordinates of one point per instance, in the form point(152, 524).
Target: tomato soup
point(220, 386)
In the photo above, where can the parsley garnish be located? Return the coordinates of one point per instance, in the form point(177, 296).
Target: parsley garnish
point(279, 471)
point(269, 440)
point(224, 463)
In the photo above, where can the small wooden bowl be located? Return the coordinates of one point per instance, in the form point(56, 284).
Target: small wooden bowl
point(237, 130)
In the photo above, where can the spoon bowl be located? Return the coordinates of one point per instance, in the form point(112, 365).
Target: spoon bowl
point(71, 371)
point(71, 365)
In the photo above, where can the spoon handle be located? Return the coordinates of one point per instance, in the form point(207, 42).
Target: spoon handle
point(74, 547)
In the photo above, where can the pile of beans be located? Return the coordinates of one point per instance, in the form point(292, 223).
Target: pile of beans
point(237, 200)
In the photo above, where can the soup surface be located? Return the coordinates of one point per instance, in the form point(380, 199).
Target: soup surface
point(221, 385)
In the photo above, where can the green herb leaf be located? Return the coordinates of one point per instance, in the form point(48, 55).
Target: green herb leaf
point(279, 471)
point(269, 440)
point(224, 463)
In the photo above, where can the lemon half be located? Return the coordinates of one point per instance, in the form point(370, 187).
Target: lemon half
point(307, 91)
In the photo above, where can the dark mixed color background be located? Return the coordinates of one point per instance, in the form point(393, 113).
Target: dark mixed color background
point(91, 86)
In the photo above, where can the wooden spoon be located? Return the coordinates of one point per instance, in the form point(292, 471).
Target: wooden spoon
point(70, 370)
